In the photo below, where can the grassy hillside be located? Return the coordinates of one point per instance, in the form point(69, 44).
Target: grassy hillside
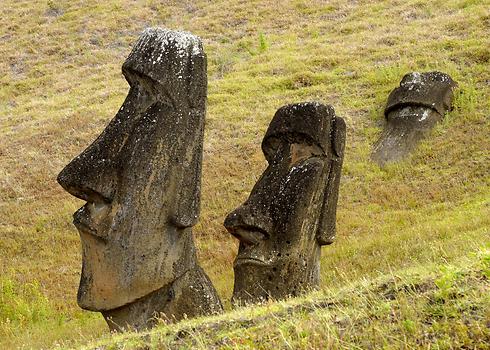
point(440, 307)
point(61, 82)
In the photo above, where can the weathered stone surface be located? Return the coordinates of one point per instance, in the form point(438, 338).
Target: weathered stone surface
point(291, 210)
point(411, 112)
point(141, 180)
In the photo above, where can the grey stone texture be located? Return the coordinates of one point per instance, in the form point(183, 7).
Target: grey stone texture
point(141, 179)
point(411, 112)
point(291, 210)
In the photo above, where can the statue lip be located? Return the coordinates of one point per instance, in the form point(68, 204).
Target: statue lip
point(81, 220)
point(249, 260)
point(82, 227)
point(249, 235)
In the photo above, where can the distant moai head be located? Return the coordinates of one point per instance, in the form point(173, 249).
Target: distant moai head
point(291, 210)
point(141, 178)
point(411, 112)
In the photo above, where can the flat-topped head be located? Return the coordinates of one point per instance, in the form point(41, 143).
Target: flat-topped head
point(290, 212)
point(141, 177)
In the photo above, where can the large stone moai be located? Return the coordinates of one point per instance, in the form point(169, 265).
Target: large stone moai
point(411, 112)
point(141, 179)
point(291, 210)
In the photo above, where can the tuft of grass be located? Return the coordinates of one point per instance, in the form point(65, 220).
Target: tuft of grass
point(263, 45)
point(22, 304)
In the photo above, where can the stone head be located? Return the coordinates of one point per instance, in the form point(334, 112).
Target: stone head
point(411, 112)
point(290, 212)
point(141, 177)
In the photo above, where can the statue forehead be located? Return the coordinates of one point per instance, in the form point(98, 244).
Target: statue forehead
point(307, 123)
point(175, 60)
point(432, 90)
point(159, 49)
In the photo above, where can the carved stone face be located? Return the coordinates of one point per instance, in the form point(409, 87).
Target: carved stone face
point(141, 176)
point(290, 212)
point(411, 112)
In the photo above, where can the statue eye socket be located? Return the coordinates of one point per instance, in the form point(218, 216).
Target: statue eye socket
point(151, 88)
point(300, 152)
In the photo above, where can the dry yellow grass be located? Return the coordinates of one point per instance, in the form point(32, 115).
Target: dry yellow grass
point(442, 307)
point(60, 83)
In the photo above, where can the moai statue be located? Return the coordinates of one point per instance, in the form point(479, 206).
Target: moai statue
point(411, 112)
point(141, 179)
point(291, 210)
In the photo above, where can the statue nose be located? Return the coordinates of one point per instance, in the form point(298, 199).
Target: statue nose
point(248, 224)
point(90, 181)
point(91, 175)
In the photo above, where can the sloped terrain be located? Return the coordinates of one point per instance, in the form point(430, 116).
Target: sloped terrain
point(439, 307)
point(61, 82)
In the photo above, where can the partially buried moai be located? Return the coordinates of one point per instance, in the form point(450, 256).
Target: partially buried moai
point(141, 179)
point(291, 210)
point(411, 112)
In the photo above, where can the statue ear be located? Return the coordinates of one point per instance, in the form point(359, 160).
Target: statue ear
point(187, 205)
point(326, 226)
point(197, 79)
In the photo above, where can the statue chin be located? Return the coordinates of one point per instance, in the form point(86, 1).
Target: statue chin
point(189, 296)
point(285, 277)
